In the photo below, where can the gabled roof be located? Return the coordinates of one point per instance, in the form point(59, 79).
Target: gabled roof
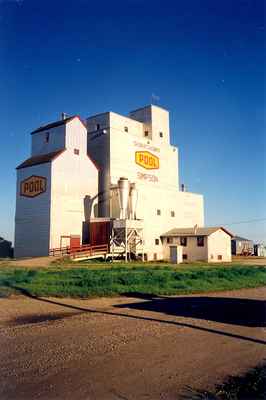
point(58, 123)
point(41, 159)
point(192, 232)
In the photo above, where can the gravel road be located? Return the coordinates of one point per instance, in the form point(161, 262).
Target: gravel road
point(129, 347)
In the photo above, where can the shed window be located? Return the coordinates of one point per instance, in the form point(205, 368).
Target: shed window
point(172, 213)
point(47, 137)
point(157, 241)
point(200, 241)
point(76, 151)
point(183, 241)
point(158, 212)
point(161, 134)
point(126, 129)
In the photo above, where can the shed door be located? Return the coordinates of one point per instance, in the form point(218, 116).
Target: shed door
point(74, 241)
point(173, 254)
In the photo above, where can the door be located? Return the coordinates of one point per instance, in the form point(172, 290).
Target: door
point(74, 241)
point(173, 254)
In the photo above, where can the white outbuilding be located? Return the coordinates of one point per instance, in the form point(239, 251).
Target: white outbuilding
point(199, 243)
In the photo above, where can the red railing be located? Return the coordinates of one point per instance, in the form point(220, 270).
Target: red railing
point(80, 251)
point(60, 251)
point(88, 250)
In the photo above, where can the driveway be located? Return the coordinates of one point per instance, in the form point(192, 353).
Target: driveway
point(136, 347)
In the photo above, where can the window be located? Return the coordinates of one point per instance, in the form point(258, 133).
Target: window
point(126, 129)
point(172, 213)
point(200, 241)
point(169, 240)
point(183, 241)
point(76, 151)
point(145, 257)
point(157, 241)
point(161, 134)
point(97, 127)
point(146, 133)
point(220, 257)
point(158, 212)
point(47, 137)
point(184, 256)
point(155, 256)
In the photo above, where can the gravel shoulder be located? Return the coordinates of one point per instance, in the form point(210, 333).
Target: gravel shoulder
point(128, 347)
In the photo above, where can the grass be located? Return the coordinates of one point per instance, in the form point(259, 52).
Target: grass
point(157, 279)
point(251, 386)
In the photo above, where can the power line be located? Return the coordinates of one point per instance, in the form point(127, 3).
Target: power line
point(245, 222)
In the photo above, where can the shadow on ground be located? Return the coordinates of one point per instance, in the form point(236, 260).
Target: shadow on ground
point(169, 306)
point(235, 311)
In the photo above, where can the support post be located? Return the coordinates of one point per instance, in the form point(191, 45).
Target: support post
point(125, 242)
point(112, 245)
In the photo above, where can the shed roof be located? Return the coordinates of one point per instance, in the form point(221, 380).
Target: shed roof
point(41, 159)
point(205, 231)
point(57, 123)
point(241, 239)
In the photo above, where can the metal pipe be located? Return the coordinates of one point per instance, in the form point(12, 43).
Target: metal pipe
point(123, 186)
point(133, 199)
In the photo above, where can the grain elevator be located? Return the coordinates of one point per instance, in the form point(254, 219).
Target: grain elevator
point(135, 152)
point(112, 178)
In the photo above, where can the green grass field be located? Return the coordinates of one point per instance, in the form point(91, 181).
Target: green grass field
point(157, 279)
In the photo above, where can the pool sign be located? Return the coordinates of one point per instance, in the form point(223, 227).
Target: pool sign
point(33, 186)
point(147, 160)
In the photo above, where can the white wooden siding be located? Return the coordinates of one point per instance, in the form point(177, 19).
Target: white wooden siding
point(32, 221)
point(56, 141)
point(73, 178)
point(219, 243)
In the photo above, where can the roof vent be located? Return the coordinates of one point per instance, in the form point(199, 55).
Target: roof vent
point(183, 187)
point(195, 228)
point(63, 116)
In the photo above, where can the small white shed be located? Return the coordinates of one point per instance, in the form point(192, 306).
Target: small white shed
point(211, 244)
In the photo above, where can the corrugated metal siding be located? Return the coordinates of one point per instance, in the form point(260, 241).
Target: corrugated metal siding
point(32, 221)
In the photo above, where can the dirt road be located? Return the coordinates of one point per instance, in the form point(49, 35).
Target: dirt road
point(128, 348)
point(37, 262)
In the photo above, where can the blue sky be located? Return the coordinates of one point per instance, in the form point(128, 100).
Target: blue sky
point(205, 59)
